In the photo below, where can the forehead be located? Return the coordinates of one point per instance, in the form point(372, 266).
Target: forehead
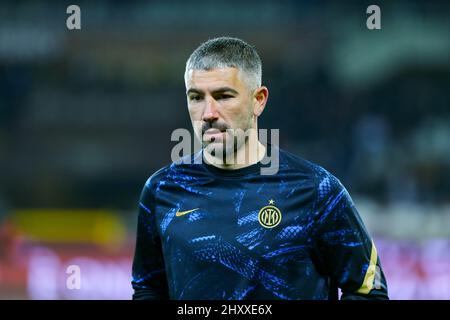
point(209, 79)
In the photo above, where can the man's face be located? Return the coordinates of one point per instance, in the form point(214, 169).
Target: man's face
point(218, 99)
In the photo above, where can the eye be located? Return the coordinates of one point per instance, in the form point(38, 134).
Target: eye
point(195, 98)
point(224, 96)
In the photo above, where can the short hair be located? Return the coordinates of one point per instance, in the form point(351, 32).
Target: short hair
point(227, 52)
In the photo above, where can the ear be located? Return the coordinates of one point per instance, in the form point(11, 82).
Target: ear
point(259, 100)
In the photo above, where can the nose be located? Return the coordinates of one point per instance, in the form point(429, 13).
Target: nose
point(210, 113)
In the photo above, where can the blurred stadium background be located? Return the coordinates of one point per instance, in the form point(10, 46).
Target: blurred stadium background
point(86, 118)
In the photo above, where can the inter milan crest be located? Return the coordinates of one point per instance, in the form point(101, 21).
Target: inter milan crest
point(269, 216)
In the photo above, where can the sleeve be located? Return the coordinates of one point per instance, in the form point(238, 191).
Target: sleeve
point(346, 251)
point(148, 271)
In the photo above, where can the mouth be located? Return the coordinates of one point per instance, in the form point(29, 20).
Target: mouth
point(213, 134)
point(213, 131)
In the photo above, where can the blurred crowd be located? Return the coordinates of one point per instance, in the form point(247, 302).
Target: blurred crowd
point(86, 115)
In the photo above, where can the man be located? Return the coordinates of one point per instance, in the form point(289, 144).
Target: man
point(219, 229)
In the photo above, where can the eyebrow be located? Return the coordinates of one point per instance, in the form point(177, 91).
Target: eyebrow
point(218, 90)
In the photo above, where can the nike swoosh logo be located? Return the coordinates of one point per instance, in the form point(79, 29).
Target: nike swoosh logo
point(182, 213)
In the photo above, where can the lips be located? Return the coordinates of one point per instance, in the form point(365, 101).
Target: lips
point(212, 131)
point(212, 134)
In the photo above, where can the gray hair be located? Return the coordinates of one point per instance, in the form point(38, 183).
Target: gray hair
point(227, 52)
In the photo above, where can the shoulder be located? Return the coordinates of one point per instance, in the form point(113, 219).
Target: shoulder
point(324, 182)
point(171, 171)
point(156, 177)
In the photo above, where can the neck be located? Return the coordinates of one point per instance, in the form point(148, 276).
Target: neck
point(249, 153)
